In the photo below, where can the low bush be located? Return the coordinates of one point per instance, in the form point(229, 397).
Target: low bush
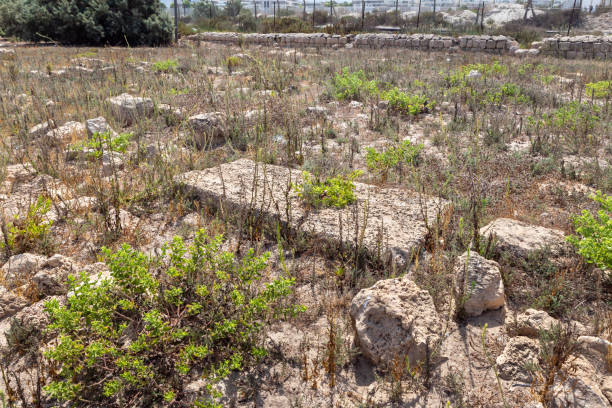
point(336, 191)
point(599, 90)
point(405, 103)
point(169, 65)
point(383, 162)
point(139, 337)
point(353, 86)
point(31, 232)
point(594, 239)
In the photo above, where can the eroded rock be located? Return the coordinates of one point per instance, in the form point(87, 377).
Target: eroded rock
point(519, 239)
point(208, 127)
point(20, 268)
point(128, 108)
point(394, 229)
point(395, 319)
point(514, 363)
point(480, 282)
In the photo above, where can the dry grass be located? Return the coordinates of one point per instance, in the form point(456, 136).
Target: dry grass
point(468, 159)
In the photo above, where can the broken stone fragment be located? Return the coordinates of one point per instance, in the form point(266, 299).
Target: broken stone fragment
point(479, 281)
point(128, 108)
point(519, 239)
point(393, 320)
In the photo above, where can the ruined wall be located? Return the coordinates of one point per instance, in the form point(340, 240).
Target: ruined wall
point(577, 47)
point(480, 43)
point(562, 47)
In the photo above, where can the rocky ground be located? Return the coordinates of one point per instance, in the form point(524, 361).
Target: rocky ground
point(448, 283)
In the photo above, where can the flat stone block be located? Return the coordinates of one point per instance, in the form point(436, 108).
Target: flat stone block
point(386, 222)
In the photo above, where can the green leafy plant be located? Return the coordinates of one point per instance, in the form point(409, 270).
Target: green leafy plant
point(599, 90)
point(393, 157)
point(136, 338)
point(31, 231)
point(99, 142)
point(460, 75)
point(405, 103)
point(594, 239)
point(169, 65)
point(233, 62)
point(353, 85)
point(336, 192)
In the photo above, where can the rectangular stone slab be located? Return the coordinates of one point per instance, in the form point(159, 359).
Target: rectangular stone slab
point(387, 222)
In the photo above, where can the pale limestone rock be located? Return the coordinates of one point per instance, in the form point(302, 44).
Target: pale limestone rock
point(68, 132)
point(20, 268)
point(479, 281)
point(576, 393)
point(395, 319)
point(596, 344)
point(519, 239)
point(394, 230)
point(209, 128)
point(531, 322)
point(51, 279)
point(128, 108)
point(41, 129)
point(10, 303)
point(518, 354)
point(606, 388)
point(98, 125)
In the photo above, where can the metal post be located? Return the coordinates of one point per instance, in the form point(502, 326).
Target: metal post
point(274, 6)
point(434, 11)
point(314, 8)
point(176, 20)
point(419, 14)
point(396, 13)
point(569, 25)
point(362, 14)
point(331, 11)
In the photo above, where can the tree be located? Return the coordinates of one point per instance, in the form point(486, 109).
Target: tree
point(203, 9)
point(92, 22)
point(186, 5)
point(233, 7)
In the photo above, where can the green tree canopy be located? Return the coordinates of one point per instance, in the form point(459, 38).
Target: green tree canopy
point(92, 22)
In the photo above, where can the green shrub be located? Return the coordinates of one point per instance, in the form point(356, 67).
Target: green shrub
point(30, 232)
point(353, 85)
point(100, 142)
point(336, 192)
point(486, 70)
point(405, 103)
point(111, 22)
point(166, 66)
point(594, 239)
point(138, 337)
point(600, 89)
point(385, 161)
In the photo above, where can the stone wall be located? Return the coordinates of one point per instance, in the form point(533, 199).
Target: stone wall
point(577, 47)
point(562, 47)
point(480, 43)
